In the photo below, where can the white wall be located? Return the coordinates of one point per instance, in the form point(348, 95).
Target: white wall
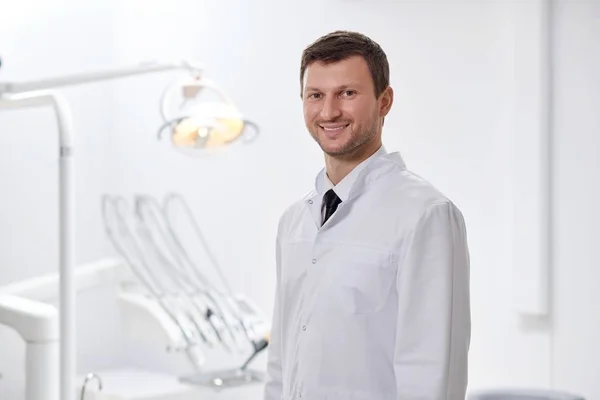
point(576, 346)
point(452, 70)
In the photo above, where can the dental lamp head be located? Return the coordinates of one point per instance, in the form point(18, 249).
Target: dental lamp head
point(202, 125)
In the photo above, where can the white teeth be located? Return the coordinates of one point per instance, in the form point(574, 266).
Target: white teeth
point(339, 128)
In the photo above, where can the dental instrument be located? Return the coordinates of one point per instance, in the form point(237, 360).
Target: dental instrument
point(253, 321)
point(161, 268)
point(164, 273)
point(205, 127)
point(173, 284)
point(123, 240)
point(161, 242)
point(154, 231)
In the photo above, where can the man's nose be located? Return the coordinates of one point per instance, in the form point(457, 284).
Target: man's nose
point(331, 109)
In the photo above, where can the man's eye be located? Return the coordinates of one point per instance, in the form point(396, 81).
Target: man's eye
point(348, 93)
point(314, 95)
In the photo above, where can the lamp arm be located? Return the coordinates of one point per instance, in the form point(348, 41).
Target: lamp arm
point(100, 75)
point(66, 226)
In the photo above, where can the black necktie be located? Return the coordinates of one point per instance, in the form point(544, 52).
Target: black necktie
point(331, 201)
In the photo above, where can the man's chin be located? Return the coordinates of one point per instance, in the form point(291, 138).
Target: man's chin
point(337, 151)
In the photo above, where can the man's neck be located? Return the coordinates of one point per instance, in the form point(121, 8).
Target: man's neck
point(338, 167)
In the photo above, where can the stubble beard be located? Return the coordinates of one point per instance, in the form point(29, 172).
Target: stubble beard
point(359, 137)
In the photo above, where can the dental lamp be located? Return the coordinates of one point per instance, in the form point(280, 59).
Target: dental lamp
point(203, 126)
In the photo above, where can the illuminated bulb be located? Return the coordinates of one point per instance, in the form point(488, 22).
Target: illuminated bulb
point(226, 131)
point(185, 133)
point(211, 125)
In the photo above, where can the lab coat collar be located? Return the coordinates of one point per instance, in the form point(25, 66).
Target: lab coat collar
point(378, 165)
point(343, 188)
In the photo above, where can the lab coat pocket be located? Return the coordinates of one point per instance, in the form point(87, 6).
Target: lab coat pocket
point(362, 283)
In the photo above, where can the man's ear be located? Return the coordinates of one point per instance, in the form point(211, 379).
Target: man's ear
point(385, 101)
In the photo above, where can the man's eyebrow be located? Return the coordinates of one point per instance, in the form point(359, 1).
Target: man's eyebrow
point(339, 88)
point(311, 89)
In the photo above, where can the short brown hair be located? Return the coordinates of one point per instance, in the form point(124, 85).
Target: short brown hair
point(339, 45)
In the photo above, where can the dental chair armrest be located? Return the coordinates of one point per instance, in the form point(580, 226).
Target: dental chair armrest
point(33, 320)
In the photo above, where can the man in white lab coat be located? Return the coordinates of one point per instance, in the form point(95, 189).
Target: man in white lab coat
point(372, 297)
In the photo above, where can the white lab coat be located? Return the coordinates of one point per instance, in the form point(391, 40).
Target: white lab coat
point(373, 305)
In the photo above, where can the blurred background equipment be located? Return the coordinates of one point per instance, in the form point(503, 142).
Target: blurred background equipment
point(203, 127)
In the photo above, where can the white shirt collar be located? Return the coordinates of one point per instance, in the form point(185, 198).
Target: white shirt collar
point(342, 189)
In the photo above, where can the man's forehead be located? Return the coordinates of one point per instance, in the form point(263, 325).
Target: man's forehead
point(336, 74)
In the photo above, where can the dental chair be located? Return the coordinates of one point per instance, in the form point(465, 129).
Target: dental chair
point(523, 394)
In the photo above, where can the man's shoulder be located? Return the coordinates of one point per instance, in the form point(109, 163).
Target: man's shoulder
point(415, 194)
point(403, 184)
point(408, 184)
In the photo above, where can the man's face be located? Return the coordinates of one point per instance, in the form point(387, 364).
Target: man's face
point(340, 108)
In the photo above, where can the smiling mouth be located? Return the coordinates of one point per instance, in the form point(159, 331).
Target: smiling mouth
point(333, 129)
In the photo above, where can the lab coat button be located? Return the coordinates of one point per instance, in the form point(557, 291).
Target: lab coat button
point(304, 327)
point(314, 260)
point(310, 202)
